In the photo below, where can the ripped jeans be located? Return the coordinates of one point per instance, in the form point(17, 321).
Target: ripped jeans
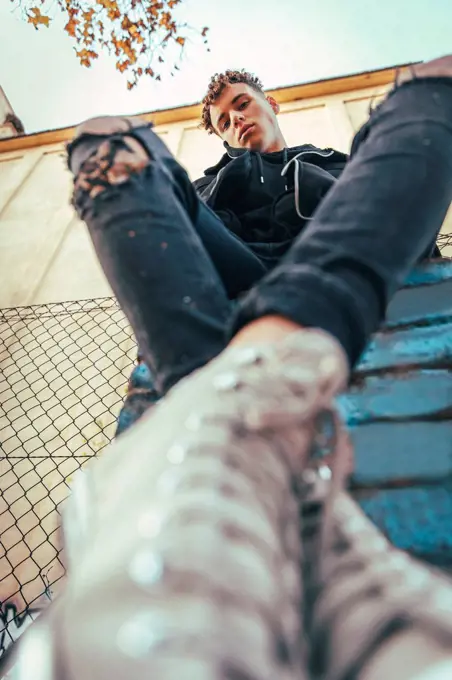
point(187, 284)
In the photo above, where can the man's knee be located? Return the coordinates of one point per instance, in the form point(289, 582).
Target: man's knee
point(107, 125)
point(109, 162)
point(437, 68)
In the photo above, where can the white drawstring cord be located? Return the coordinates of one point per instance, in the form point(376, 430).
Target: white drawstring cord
point(299, 165)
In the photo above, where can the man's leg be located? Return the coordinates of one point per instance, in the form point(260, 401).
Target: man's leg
point(169, 259)
point(373, 226)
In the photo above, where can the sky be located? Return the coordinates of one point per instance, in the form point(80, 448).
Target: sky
point(283, 41)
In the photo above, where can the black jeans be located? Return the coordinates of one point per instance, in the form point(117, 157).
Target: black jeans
point(187, 284)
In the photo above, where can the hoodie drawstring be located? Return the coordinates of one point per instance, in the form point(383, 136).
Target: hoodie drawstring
point(299, 166)
point(285, 163)
point(261, 167)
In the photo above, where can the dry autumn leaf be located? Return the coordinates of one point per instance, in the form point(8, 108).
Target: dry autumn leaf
point(38, 19)
point(123, 66)
point(86, 56)
point(138, 32)
point(71, 26)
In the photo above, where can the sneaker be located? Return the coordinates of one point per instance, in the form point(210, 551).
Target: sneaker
point(184, 539)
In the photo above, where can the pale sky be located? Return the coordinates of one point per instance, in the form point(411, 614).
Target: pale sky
point(283, 41)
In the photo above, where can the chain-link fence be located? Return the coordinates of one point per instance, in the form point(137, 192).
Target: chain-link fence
point(63, 375)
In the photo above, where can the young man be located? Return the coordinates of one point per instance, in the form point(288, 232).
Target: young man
point(270, 213)
point(245, 260)
point(265, 194)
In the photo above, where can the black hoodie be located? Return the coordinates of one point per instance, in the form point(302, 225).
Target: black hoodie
point(257, 202)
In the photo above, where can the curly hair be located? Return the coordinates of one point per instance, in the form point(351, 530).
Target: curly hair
point(216, 86)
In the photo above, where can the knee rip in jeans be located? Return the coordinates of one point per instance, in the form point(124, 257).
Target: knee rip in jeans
point(437, 68)
point(114, 161)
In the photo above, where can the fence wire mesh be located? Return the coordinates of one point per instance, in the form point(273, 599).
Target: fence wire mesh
point(63, 374)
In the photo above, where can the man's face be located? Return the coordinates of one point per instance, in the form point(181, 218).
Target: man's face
point(245, 118)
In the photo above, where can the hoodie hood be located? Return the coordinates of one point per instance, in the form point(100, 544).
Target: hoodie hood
point(232, 153)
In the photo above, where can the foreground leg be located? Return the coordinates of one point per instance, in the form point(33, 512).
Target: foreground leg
point(185, 563)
